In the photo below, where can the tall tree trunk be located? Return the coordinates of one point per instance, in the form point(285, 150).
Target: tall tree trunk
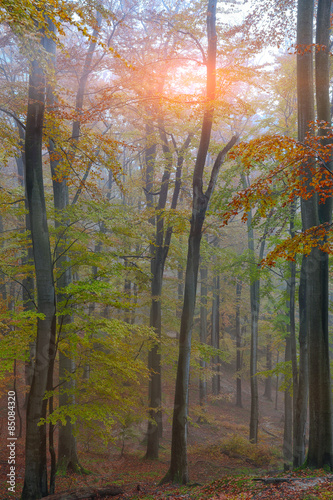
point(320, 450)
point(203, 331)
point(238, 346)
point(255, 305)
point(178, 471)
point(28, 281)
point(315, 267)
point(215, 338)
point(301, 403)
point(288, 409)
point(291, 289)
point(269, 365)
point(35, 481)
point(159, 253)
point(154, 431)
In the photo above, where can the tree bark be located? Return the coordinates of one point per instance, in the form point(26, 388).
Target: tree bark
point(28, 281)
point(215, 338)
point(301, 402)
point(268, 379)
point(203, 331)
point(159, 253)
point(255, 305)
point(238, 346)
point(178, 471)
point(315, 264)
point(320, 451)
point(35, 482)
point(288, 409)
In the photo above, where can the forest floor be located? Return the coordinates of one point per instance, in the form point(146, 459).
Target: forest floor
point(222, 464)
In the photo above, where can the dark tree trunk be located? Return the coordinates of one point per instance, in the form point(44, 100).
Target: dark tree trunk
point(320, 451)
point(154, 431)
point(254, 415)
point(178, 471)
point(291, 290)
point(159, 252)
point(203, 332)
point(35, 482)
point(288, 409)
point(28, 258)
point(277, 384)
point(28, 281)
point(255, 305)
point(301, 403)
point(315, 267)
point(215, 338)
point(180, 288)
point(269, 365)
point(238, 346)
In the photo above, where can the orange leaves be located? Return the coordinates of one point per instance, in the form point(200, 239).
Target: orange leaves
point(302, 243)
point(280, 170)
point(302, 49)
point(289, 169)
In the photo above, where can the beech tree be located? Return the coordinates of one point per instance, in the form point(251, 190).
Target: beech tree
point(178, 471)
point(313, 214)
point(35, 482)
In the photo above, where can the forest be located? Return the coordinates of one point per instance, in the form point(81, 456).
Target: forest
point(166, 190)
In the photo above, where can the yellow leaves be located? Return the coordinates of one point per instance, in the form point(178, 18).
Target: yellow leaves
point(302, 243)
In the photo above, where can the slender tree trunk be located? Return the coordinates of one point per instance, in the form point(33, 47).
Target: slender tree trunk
point(203, 332)
point(178, 471)
point(215, 340)
point(255, 304)
point(155, 429)
point(28, 280)
point(291, 288)
point(254, 416)
point(159, 252)
point(301, 403)
point(277, 384)
point(35, 481)
point(288, 409)
point(268, 380)
point(238, 346)
point(180, 288)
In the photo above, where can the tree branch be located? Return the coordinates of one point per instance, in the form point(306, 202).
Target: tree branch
point(217, 165)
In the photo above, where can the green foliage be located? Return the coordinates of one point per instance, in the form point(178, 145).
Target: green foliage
point(110, 396)
point(238, 446)
point(206, 352)
point(282, 368)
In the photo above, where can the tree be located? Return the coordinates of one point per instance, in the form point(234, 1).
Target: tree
point(203, 330)
point(320, 451)
point(67, 451)
point(238, 345)
point(178, 471)
point(35, 481)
